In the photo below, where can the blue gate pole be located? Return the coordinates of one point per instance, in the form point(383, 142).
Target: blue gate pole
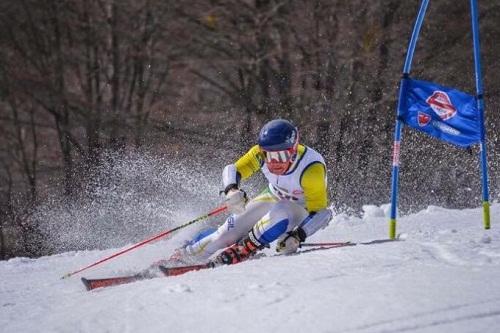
point(399, 124)
point(480, 107)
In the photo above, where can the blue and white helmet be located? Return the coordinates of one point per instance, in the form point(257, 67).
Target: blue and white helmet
point(278, 140)
point(278, 134)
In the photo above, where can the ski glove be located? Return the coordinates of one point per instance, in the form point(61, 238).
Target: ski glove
point(291, 242)
point(235, 200)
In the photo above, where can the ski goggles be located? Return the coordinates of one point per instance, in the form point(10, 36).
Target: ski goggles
point(280, 156)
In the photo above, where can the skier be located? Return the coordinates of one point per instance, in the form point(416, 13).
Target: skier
point(290, 209)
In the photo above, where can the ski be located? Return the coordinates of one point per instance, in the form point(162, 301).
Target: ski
point(174, 271)
point(179, 270)
point(327, 244)
point(91, 284)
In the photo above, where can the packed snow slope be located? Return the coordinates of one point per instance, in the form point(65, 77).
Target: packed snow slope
point(444, 277)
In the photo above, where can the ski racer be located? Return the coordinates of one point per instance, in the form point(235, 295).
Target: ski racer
point(290, 209)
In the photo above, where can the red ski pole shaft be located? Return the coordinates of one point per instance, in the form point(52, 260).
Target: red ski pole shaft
point(163, 234)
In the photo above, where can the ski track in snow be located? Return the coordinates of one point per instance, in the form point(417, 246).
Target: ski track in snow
point(427, 320)
point(444, 277)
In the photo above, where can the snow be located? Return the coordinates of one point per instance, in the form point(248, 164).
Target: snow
point(444, 277)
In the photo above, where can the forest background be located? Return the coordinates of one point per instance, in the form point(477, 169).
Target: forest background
point(89, 87)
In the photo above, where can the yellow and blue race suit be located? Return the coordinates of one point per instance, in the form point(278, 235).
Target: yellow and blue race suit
point(290, 200)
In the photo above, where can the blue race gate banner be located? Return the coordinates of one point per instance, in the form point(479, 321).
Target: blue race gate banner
point(444, 113)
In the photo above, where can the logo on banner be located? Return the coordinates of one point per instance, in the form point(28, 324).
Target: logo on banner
point(423, 119)
point(440, 102)
point(446, 129)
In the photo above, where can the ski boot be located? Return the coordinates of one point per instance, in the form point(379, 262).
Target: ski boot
point(238, 252)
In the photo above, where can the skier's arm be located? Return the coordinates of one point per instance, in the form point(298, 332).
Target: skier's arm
point(250, 163)
point(313, 181)
point(244, 167)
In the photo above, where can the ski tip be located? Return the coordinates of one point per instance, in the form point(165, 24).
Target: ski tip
point(86, 283)
point(164, 270)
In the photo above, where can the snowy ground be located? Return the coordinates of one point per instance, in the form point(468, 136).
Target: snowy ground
point(445, 277)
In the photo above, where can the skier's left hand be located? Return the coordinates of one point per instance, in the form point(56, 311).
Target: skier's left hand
point(290, 242)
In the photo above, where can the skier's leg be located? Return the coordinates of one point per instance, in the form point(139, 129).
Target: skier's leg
point(234, 228)
point(290, 241)
point(282, 217)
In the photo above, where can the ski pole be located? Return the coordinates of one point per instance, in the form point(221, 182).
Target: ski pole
point(325, 244)
point(163, 234)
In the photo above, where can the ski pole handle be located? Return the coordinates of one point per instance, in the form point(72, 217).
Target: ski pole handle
point(163, 234)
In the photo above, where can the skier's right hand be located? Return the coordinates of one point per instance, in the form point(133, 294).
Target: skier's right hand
point(235, 200)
